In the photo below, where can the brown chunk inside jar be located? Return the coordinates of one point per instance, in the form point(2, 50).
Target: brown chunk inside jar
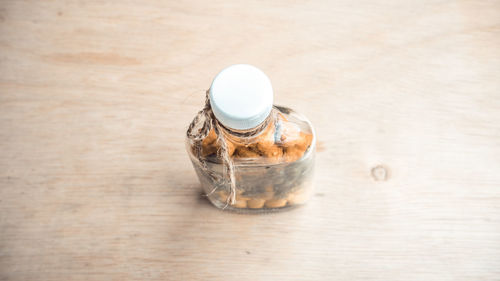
point(285, 143)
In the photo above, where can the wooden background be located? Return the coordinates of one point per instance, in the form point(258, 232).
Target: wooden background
point(95, 98)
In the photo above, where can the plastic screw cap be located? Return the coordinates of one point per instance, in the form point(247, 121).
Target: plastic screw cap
point(241, 96)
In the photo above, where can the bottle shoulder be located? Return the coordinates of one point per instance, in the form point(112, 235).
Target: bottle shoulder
point(286, 137)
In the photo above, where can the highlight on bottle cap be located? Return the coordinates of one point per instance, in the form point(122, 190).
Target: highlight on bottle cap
point(241, 96)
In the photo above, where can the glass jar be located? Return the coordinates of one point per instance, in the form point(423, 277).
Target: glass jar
point(271, 149)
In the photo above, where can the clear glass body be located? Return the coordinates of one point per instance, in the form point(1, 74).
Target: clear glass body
point(273, 167)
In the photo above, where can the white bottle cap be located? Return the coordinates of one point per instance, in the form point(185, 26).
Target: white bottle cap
point(241, 96)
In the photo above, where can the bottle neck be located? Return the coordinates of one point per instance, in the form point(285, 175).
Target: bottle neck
point(245, 136)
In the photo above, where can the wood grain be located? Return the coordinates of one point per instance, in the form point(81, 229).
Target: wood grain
point(95, 98)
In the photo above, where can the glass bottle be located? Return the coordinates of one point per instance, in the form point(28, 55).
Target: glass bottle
point(271, 148)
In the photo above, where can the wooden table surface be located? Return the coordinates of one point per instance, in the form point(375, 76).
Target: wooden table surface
point(96, 96)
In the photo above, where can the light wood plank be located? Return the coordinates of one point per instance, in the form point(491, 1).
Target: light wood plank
point(95, 98)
